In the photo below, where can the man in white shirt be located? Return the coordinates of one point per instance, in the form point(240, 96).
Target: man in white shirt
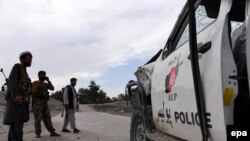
point(70, 104)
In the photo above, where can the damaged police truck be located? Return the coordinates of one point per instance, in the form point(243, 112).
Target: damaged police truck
point(196, 88)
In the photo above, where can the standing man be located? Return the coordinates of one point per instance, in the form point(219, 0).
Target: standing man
point(40, 106)
point(17, 108)
point(70, 104)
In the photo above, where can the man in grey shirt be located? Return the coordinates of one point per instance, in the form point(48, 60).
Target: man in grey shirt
point(70, 104)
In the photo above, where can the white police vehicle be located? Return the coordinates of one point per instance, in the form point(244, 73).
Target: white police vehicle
point(197, 85)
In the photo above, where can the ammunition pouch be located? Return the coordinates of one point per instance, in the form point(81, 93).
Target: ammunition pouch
point(42, 96)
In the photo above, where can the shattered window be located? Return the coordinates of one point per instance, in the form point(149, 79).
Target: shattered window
point(235, 25)
point(202, 21)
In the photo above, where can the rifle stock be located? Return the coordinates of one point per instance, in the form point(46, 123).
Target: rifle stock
point(9, 94)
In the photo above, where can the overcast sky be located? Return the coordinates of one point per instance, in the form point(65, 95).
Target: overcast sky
point(101, 40)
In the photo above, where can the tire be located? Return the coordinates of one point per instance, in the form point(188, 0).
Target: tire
point(137, 128)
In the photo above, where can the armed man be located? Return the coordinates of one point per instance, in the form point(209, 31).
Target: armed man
point(40, 106)
point(18, 98)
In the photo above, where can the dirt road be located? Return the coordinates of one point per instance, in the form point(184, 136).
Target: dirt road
point(94, 126)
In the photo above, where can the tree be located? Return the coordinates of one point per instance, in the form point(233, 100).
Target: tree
point(93, 94)
point(114, 99)
point(122, 97)
point(58, 95)
point(83, 96)
point(108, 99)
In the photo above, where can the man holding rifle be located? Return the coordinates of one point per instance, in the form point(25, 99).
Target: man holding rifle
point(18, 98)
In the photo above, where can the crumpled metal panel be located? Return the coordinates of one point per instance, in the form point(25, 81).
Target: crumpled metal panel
point(143, 75)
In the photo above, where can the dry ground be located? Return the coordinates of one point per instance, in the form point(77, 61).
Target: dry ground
point(94, 126)
point(118, 108)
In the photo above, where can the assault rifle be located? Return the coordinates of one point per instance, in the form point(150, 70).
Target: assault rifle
point(8, 95)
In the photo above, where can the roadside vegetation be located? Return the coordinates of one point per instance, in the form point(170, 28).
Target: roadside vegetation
point(93, 94)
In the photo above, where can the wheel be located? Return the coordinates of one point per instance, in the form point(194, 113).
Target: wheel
point(137, 128)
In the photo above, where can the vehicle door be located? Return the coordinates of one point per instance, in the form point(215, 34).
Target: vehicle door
point(173, 95)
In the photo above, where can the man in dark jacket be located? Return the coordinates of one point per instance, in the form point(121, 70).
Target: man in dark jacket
point(70, 104)
point(17, 108)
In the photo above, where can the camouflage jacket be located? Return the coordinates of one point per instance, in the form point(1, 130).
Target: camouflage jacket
point(40, 90)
